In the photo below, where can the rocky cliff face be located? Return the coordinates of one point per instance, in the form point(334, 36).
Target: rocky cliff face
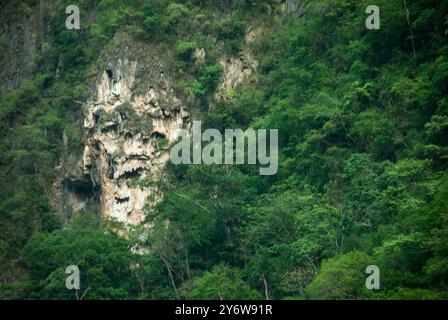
point(133, 114)
point(132, 118)
point(129, 123)
point(22, 31)
point(235, 71)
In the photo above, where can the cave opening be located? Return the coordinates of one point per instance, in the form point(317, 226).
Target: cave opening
point(109, 72)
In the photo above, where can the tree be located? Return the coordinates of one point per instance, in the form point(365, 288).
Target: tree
point(342, 278)
point(221, 283)
point(103, 258)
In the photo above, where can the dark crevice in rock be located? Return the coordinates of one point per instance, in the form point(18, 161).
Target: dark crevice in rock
point(110, 74)
point(158, 135)
point(122, 200)
point(78, 193)
point(132, 174)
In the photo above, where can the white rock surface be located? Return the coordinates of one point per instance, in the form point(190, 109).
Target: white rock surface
point(124, 158)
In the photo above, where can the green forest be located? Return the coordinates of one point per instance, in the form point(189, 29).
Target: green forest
point(362, 179)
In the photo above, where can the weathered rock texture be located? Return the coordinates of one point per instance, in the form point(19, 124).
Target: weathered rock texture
point(235, 71)
point(22, 30)
point(133, 117)
point(295, 7)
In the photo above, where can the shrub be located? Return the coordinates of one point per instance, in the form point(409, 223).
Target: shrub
point(231, 29)
point(341, 278)
point(185, 49)
point(208, 80)
point(222, 282)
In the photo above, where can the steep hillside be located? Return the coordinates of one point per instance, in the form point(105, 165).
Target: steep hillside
point(89, 117)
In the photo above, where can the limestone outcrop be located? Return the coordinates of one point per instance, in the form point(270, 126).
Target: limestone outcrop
point(129, 123)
